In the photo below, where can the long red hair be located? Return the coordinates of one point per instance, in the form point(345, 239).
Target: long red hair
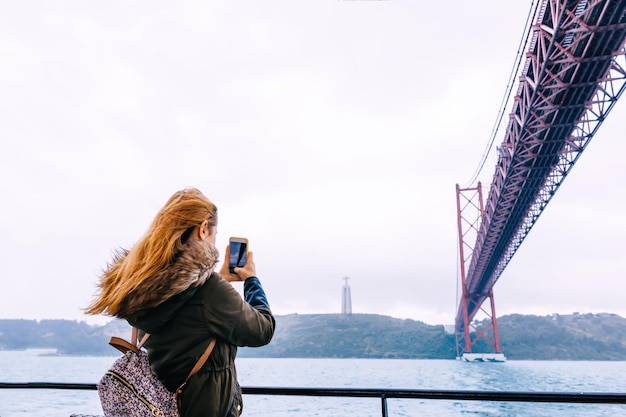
point(155, 251)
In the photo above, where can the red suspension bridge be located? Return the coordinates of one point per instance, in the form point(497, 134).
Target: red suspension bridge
point(572, 73)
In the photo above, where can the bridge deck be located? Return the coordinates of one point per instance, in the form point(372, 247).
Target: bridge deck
point(572, 76)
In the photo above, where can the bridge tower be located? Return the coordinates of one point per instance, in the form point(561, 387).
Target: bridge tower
point(468, 333)
point(346, 300)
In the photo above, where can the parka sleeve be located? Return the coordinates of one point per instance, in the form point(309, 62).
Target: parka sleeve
point(254, 294)
point(240, 321)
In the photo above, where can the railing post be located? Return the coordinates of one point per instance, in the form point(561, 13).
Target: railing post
point(383, 403)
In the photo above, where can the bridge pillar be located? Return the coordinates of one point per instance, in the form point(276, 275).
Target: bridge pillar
point(468, 333)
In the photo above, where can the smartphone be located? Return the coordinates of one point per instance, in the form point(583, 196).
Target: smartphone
point(238, 253)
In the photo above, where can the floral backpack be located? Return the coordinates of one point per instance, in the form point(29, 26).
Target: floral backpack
point(131, 389)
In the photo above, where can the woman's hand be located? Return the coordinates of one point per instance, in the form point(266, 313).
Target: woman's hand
point(241, 274)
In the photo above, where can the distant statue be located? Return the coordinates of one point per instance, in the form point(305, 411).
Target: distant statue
point(346, 300)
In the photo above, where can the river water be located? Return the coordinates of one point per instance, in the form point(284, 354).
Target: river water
point(550, 376)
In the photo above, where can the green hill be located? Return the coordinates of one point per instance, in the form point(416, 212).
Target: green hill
point(355, 336)
point(553, 337)
point(563, 337)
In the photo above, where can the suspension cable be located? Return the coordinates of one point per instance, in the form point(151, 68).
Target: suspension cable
point(507, 94)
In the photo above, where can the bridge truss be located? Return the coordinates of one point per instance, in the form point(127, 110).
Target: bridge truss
point(573, 74)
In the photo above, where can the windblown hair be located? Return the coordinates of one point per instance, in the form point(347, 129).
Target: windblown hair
point(155, 252)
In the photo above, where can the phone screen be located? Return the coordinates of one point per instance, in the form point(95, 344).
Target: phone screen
point(238, 251)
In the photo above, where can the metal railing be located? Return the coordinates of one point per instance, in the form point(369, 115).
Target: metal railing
point(384, 394)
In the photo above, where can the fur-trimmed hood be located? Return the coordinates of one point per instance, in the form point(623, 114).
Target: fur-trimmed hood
point(174, 284)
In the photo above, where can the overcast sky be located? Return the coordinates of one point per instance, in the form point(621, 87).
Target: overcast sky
point(331, 133)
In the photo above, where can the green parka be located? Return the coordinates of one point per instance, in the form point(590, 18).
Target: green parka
point(184, 322)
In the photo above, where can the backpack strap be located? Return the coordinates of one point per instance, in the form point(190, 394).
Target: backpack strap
point(124, 346)
point(202, 359)
point(196, 368)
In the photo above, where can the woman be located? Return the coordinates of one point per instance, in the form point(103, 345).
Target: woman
point(166, 286)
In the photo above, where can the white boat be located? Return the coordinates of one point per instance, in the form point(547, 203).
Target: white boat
point(483, 357)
